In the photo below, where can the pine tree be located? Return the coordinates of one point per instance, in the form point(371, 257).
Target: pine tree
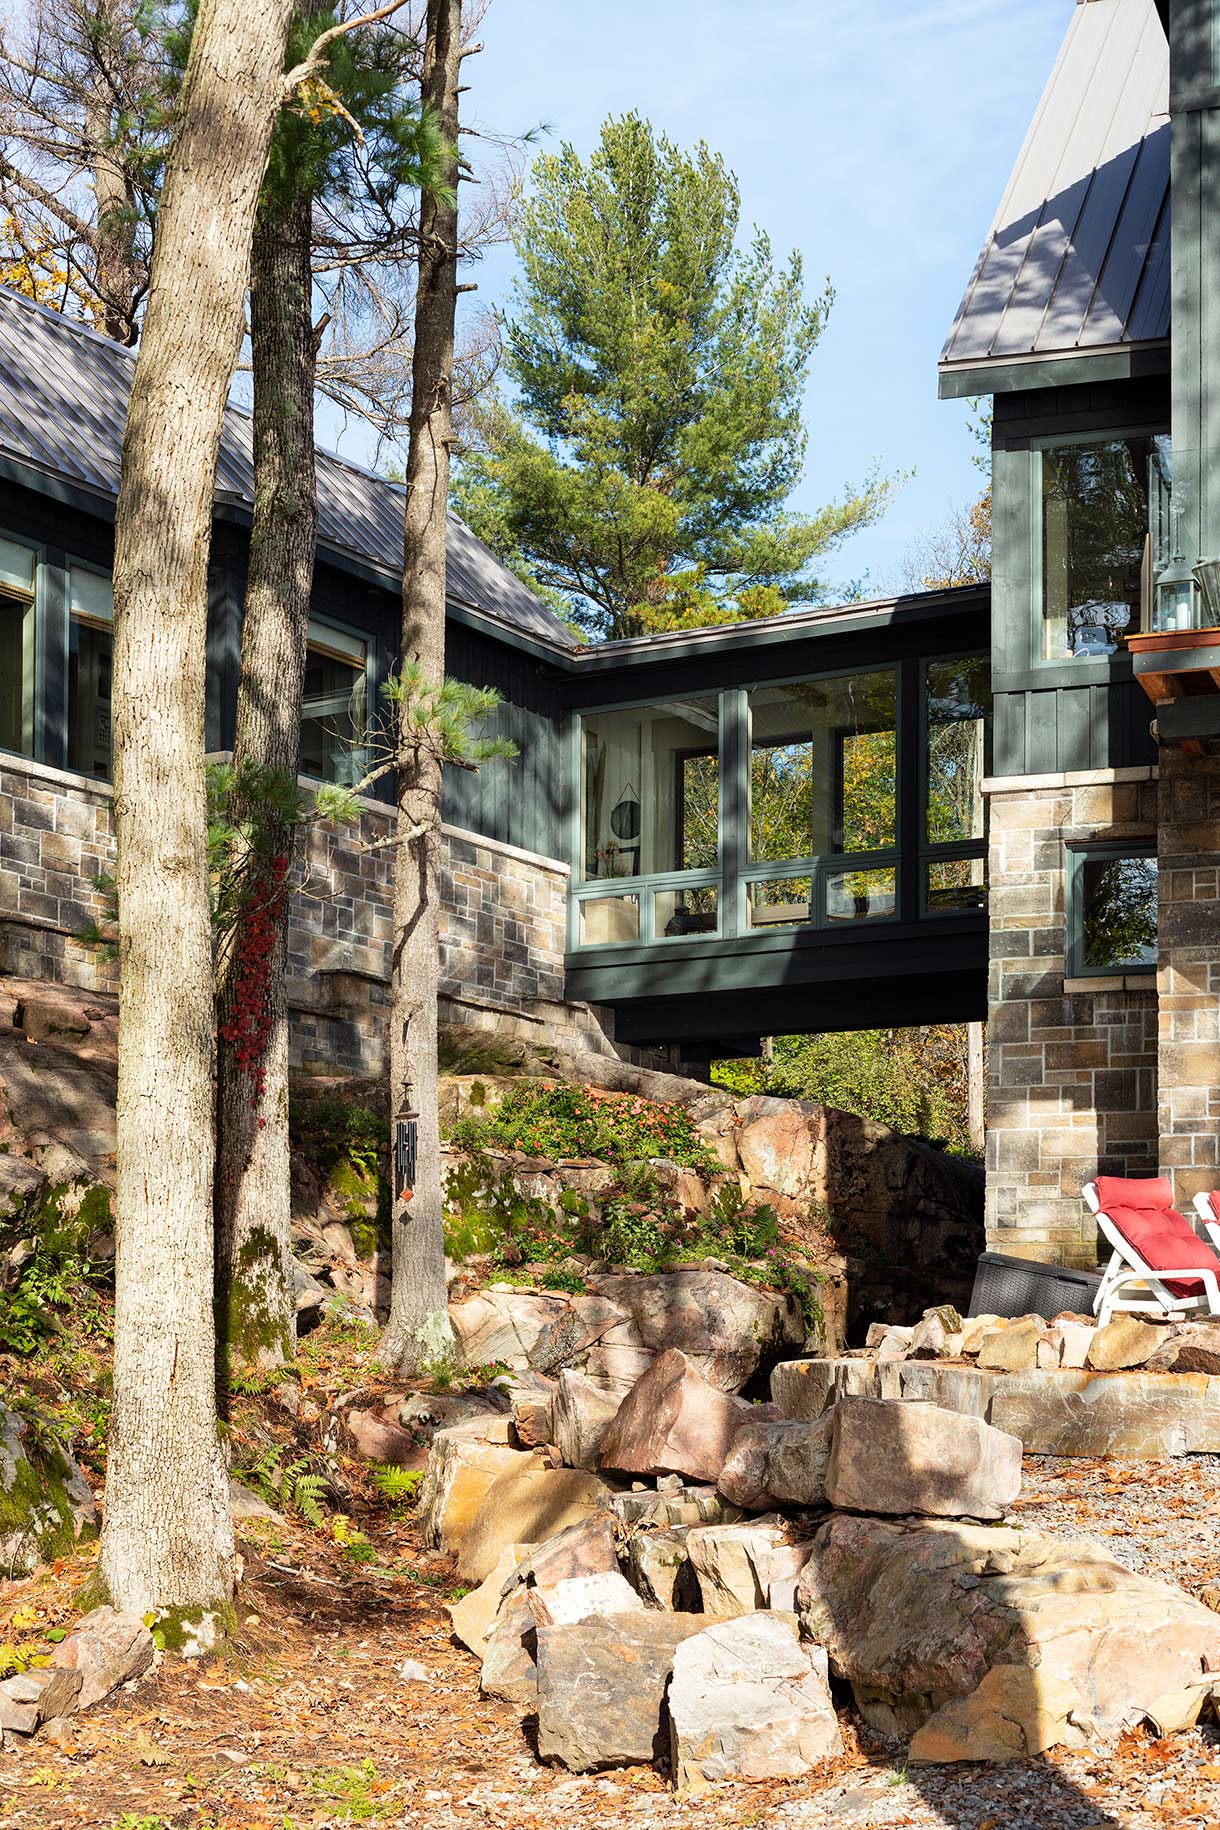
point(643, 469)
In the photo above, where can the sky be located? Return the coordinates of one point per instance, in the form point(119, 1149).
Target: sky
point(875, 137)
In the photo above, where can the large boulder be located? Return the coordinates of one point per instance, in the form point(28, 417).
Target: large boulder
point(778, 1464)
point(581, 1414)
point(501, 1326)
point(45, 1501)
point(463, 1465)
point(737, 1565)
point(526, 1505)
point(727, 1328)
point(914, 1614)
point(748, 1701)
point(1124, 1342)
point(674, 1422)
point(474, 1615)
point(601, 1689)
point(894, 1456)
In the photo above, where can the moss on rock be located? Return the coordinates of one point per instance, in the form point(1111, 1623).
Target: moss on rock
point(45, 1502)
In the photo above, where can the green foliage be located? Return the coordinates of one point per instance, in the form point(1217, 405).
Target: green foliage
point(447, 717)
point(59, 1277)
point(398, 1487)
point(332, 1132)
point(915, 1081)
point(659, 372)
point(557, 1121)
point(293, 1485)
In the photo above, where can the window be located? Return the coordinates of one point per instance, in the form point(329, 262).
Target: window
point(334, 720)
point(18, 580)
point(1112, 910)
point(90, 670)
point(1094, 526)
point(823, 767)
point(651, 792)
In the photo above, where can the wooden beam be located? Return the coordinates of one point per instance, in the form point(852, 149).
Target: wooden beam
point(1160, 687)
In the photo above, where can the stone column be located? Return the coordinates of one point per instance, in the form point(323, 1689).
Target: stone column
point(1188, 976)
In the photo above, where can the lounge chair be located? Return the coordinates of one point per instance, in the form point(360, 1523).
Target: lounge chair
point(1159, 1266)
point(1208, 1209)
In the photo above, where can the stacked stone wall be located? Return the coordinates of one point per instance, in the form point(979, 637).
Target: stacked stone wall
point(1189, 972)
point(1072, 1063)
point(503, 925)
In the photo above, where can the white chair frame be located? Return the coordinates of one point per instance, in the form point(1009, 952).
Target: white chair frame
point(1211, 1226)
point(1131, 1287)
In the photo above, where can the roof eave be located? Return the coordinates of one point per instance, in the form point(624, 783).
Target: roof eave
point(1051, 369)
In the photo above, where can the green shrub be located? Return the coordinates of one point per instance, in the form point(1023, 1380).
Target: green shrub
point(557, 1121)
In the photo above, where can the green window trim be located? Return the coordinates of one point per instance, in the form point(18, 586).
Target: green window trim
point(1081, 861)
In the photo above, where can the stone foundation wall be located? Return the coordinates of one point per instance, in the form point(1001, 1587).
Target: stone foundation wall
point(503, 925)
point(1188, 977)
point(1072, 1063)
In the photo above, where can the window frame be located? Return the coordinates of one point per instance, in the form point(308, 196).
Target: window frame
point(38, 603)
point(368, 641)
point(949, 850)
point(1078, 853)
point(1084, 667)
point(74, 564)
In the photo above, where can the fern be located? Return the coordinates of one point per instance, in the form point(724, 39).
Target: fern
point(398, 1486)
point(294, 1484)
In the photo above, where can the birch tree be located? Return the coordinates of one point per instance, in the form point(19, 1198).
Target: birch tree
point(418, 1326)
point(167, 1541)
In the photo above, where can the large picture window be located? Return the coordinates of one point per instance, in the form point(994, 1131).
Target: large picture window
point(1094, 527)
point(334, 722)
point(90, 671)
point(651, 790)
point(18, 581)
point(1112, 910)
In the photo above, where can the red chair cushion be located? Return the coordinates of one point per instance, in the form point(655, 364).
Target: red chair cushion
point(1144, 1214)
point(1213, 1201)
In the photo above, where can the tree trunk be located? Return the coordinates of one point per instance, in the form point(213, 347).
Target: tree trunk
point(255, 1307)
point(418, 1328)
point(167, 1541)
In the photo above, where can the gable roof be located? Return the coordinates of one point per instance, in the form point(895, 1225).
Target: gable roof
point(1077, 259)
point(63, 407)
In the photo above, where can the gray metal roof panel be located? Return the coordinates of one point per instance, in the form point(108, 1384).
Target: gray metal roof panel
point(63, 406)
point(1074, 257)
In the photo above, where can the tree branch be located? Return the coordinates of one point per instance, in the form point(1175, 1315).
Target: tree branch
point(316, 60)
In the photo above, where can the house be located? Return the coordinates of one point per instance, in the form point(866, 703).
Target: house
point(822, 821)
point(1090, 321)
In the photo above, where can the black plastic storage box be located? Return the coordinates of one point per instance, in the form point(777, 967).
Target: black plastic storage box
point(1023, 1286)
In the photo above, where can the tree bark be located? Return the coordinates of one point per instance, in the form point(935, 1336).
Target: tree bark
point(167, 1542)
point(255, 1306)
point(418, 1327)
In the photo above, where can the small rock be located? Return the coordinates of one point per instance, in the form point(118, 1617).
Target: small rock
point(474, 1615)
point(975, 1330)
point(929, 1338)
point(1050, 1350)
point(308, 1293)
point(684, 1506)
point(1076, 1337)
point(734, 1564)
point(662, 1571)
point(895, 1345)
point(1012, 1349)
point(902, 1456)
point(1123, 1342)
point(376, 1439)
point(412, 1672)
point(583, 1549)
point(245, 1505)
point(603, 1595)
point(1190, 1347)
point(510, 1669)
point(778, 1464)
point(107, 1648)
point(748, 1701)
point(879, 1332)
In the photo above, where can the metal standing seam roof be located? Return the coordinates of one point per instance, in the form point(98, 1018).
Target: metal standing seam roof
point(1078, 255)
point(63, 407)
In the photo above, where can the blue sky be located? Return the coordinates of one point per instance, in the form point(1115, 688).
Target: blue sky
point(874, 136)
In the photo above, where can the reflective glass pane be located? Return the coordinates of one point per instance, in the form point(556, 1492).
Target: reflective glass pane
point(1094, 527)
point(91, 594)
point(956, 883)
point(1118, 912)
point(90, 671)
point(823, 767)
point(334, 728)
point(686, 911)
point(958, 708)
point(780, 902)
point(606, 919)
point(860, 895)
point(651, 789)
point(17, 565)
point(17, 677)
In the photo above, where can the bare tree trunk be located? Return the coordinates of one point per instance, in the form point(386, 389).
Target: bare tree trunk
point(255, 1307)
point(418, 1326)
point(167, 1541)
point(976, 1086)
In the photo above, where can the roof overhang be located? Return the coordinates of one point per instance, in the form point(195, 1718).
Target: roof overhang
point(1071, 368)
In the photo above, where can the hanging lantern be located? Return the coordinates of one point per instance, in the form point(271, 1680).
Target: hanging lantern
point(406, 1152)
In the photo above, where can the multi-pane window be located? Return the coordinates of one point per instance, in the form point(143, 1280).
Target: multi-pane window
point(1094, 527)
point(18, 583)
point(334, 716)
point(823, 767)
point(651, 791)
point(1112, 910)
point(90, 671)
point(957, 709)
